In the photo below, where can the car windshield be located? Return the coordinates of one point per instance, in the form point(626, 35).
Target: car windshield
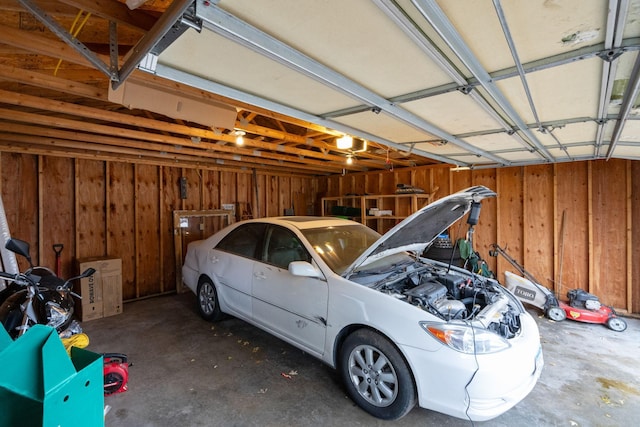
point(340, 246)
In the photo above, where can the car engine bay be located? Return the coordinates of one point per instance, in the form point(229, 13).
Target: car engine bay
point(451, 293)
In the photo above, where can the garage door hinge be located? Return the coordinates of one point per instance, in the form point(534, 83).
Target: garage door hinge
point(609, 55)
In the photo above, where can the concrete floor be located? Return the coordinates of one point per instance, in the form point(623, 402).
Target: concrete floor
point(188, 372)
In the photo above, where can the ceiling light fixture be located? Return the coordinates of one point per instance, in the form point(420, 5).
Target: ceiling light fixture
point(240, 136)
point(349, 159)
point(134, 4)
point(344, 142)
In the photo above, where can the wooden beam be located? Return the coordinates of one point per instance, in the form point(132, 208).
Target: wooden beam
point(289, 153)
point(52, 7)
point(46, 81)
point(40, 211)
point(590, 226)
point(44, 46)
point(161, 247)
point(241, 153)
point(136, 231)
point(318, 143)
point(116, 12)
point(76, 205)
point(557, 240)
point(629, 237)
point(53, 146)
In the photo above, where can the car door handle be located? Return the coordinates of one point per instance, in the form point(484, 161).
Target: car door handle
point(260, 275)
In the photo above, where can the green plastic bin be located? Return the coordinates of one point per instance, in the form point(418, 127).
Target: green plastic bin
point(40, 385)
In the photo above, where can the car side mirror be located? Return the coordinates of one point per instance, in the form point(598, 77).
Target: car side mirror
point(304, 269)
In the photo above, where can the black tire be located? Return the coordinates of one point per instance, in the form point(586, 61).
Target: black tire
point(617, 324)
point(11, 314)
point(208, 305)
point(556, 313)
point(387, 392)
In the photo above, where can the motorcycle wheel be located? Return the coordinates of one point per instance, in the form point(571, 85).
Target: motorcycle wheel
point(12, 321)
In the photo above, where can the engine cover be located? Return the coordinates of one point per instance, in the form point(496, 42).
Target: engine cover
point(581, 299)
point(429, 292)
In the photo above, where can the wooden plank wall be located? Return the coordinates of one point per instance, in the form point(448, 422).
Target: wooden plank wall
point(124, 210)
point(571, 225)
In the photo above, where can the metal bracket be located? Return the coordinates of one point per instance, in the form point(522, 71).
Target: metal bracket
point(113, 50)
point(188, 20)
point(465, 89)
point(609, 55)
point(63, 34)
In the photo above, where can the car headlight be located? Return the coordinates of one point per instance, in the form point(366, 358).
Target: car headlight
point(466, 338)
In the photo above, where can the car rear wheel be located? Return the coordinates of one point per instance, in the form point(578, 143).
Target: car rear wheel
point(376, 375)
point(208, 305)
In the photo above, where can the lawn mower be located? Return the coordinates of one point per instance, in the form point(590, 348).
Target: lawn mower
point(582, 306)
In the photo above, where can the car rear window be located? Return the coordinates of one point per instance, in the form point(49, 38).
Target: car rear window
point(244, 240)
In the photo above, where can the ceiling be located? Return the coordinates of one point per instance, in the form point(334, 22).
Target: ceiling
point(473, 84)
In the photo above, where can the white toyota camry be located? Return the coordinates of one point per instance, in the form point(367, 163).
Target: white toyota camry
point(400, 328)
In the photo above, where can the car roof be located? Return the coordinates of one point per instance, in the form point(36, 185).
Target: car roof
point(306, 222)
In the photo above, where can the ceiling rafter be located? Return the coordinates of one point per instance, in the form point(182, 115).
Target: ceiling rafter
point(49, 82)
point(115, 12)
point(46, 81)
point(166, 127)
point(81, 151)
point(82, 125)
point(59, 139)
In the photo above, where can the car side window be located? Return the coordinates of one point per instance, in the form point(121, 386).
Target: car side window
point(244, 240)
point(283, 247)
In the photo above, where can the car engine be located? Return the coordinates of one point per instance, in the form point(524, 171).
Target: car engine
point(453, 293)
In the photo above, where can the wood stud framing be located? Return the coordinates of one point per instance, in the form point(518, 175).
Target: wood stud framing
point(601, 220)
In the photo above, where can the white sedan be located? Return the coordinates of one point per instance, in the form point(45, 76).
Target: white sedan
point(400, 328)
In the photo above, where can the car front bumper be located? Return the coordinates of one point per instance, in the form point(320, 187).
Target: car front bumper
point(478, 387)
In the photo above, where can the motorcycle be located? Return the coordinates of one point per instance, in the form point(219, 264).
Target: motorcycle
point(37, 296)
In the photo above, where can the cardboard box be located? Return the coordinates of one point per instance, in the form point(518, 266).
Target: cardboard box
point(101, 293)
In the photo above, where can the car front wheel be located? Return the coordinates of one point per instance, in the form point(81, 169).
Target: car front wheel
point(208, 305)
point(376, 376)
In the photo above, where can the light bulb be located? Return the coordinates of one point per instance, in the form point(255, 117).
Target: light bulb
point(344, 143)
point(239, 136)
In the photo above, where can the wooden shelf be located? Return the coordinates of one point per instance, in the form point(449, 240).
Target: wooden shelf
point(359, 208)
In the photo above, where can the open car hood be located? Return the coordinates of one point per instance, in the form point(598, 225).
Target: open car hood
point(419, 230)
